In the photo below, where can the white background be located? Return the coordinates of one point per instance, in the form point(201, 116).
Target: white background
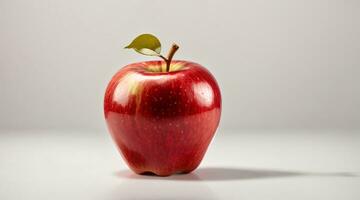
point(280, 64)
point(290, 68)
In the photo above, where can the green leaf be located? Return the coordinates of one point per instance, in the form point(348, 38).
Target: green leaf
point(146, 44)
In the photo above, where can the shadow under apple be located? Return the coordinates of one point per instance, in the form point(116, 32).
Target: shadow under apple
point(193, 185)
point(230, 174)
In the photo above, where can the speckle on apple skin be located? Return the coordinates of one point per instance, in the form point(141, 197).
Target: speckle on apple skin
point(162, 122)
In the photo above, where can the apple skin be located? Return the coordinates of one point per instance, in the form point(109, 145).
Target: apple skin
point(162, 122)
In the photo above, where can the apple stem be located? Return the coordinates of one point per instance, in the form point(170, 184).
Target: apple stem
point(171, 53)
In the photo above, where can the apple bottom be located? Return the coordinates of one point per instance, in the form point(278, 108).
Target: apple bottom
point(136, 162)
point(163, 171)
point(171, 150)
point(160, 167)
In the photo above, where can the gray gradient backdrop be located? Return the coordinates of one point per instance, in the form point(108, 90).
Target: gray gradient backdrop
point(280, 63)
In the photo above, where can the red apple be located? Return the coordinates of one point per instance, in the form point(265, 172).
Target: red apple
point(162, 121)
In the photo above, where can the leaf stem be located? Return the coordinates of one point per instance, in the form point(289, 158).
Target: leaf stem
point(161, 56)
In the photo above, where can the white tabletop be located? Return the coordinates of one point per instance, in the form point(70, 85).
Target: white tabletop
point(238, 165)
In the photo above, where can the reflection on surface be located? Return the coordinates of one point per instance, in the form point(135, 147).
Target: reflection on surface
point(153, 187)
